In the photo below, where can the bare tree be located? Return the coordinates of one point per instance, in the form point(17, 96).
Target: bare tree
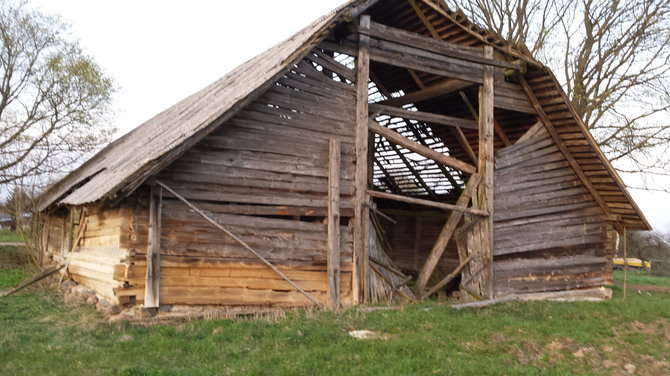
point(613, 58)
point(53, 96)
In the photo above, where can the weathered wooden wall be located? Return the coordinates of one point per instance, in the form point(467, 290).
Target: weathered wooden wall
point(412, 239)
point(263, 175)
point(89, 241)
point(549, 233)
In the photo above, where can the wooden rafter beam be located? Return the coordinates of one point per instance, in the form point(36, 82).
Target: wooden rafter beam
point(498, 129)
point(432, 204)
point(505, 48)
point(447, 173)
point(438, 157)
point(392, 183)
point(430, 92)
point(426, 22)
point(411, 169)
point(561, 146)
point(427, 117)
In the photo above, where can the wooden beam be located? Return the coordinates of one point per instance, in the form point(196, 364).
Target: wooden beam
point(475, 33)
point(486, 169)
point(430, 92)
point(561, 146)
point(152, 281)
point(438, 157)
point(414, 129)
point(391, 180)
point(426, 22)
point(445, 234)
point(361, 214)
point(463, 141)
point(471, 55)
point(333, 267)
point(432, 204)
point(427, 117)
point(499, 131)
point(448, 278)
point(411, 169)
point(240, 241)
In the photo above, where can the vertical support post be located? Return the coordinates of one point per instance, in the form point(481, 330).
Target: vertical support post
point(625, 262)
point(486, 170)
point(361, 214)
point(152, 285)
point(334, 225)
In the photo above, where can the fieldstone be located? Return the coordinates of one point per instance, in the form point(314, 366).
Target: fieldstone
point(92, 300)
point(67, 285)
point(630, 368)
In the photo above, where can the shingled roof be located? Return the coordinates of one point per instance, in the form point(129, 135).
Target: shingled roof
point(125, 164)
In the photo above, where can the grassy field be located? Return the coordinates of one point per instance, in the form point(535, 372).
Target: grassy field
point(40, 335)
point(641, 277)
point(8, 236)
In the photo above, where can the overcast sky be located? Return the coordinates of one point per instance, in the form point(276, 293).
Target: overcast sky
point(159, 52)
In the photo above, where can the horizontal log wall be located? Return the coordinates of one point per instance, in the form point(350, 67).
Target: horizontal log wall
point(403, 235)
point(96, 260)
point(264, 176)
point(549, 233)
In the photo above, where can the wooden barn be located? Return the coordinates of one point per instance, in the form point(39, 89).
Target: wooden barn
point(391, 143)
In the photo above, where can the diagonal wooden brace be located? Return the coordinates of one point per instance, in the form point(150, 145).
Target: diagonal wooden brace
point(445, 235)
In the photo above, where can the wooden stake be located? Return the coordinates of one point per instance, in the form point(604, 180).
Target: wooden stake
point(625, 262)
point(334, 226)
point(361, 214)
point(152, 289)
point(242, 243)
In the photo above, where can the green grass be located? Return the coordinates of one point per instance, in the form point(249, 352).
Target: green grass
point(41, 335)
point(641, 277)
point(7, 236)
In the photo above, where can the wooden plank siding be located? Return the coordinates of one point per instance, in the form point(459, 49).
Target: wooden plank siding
point(264, 176)
point(549, 233)
point(412, 239)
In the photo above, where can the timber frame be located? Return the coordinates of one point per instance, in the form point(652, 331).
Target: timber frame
point(391, 140)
